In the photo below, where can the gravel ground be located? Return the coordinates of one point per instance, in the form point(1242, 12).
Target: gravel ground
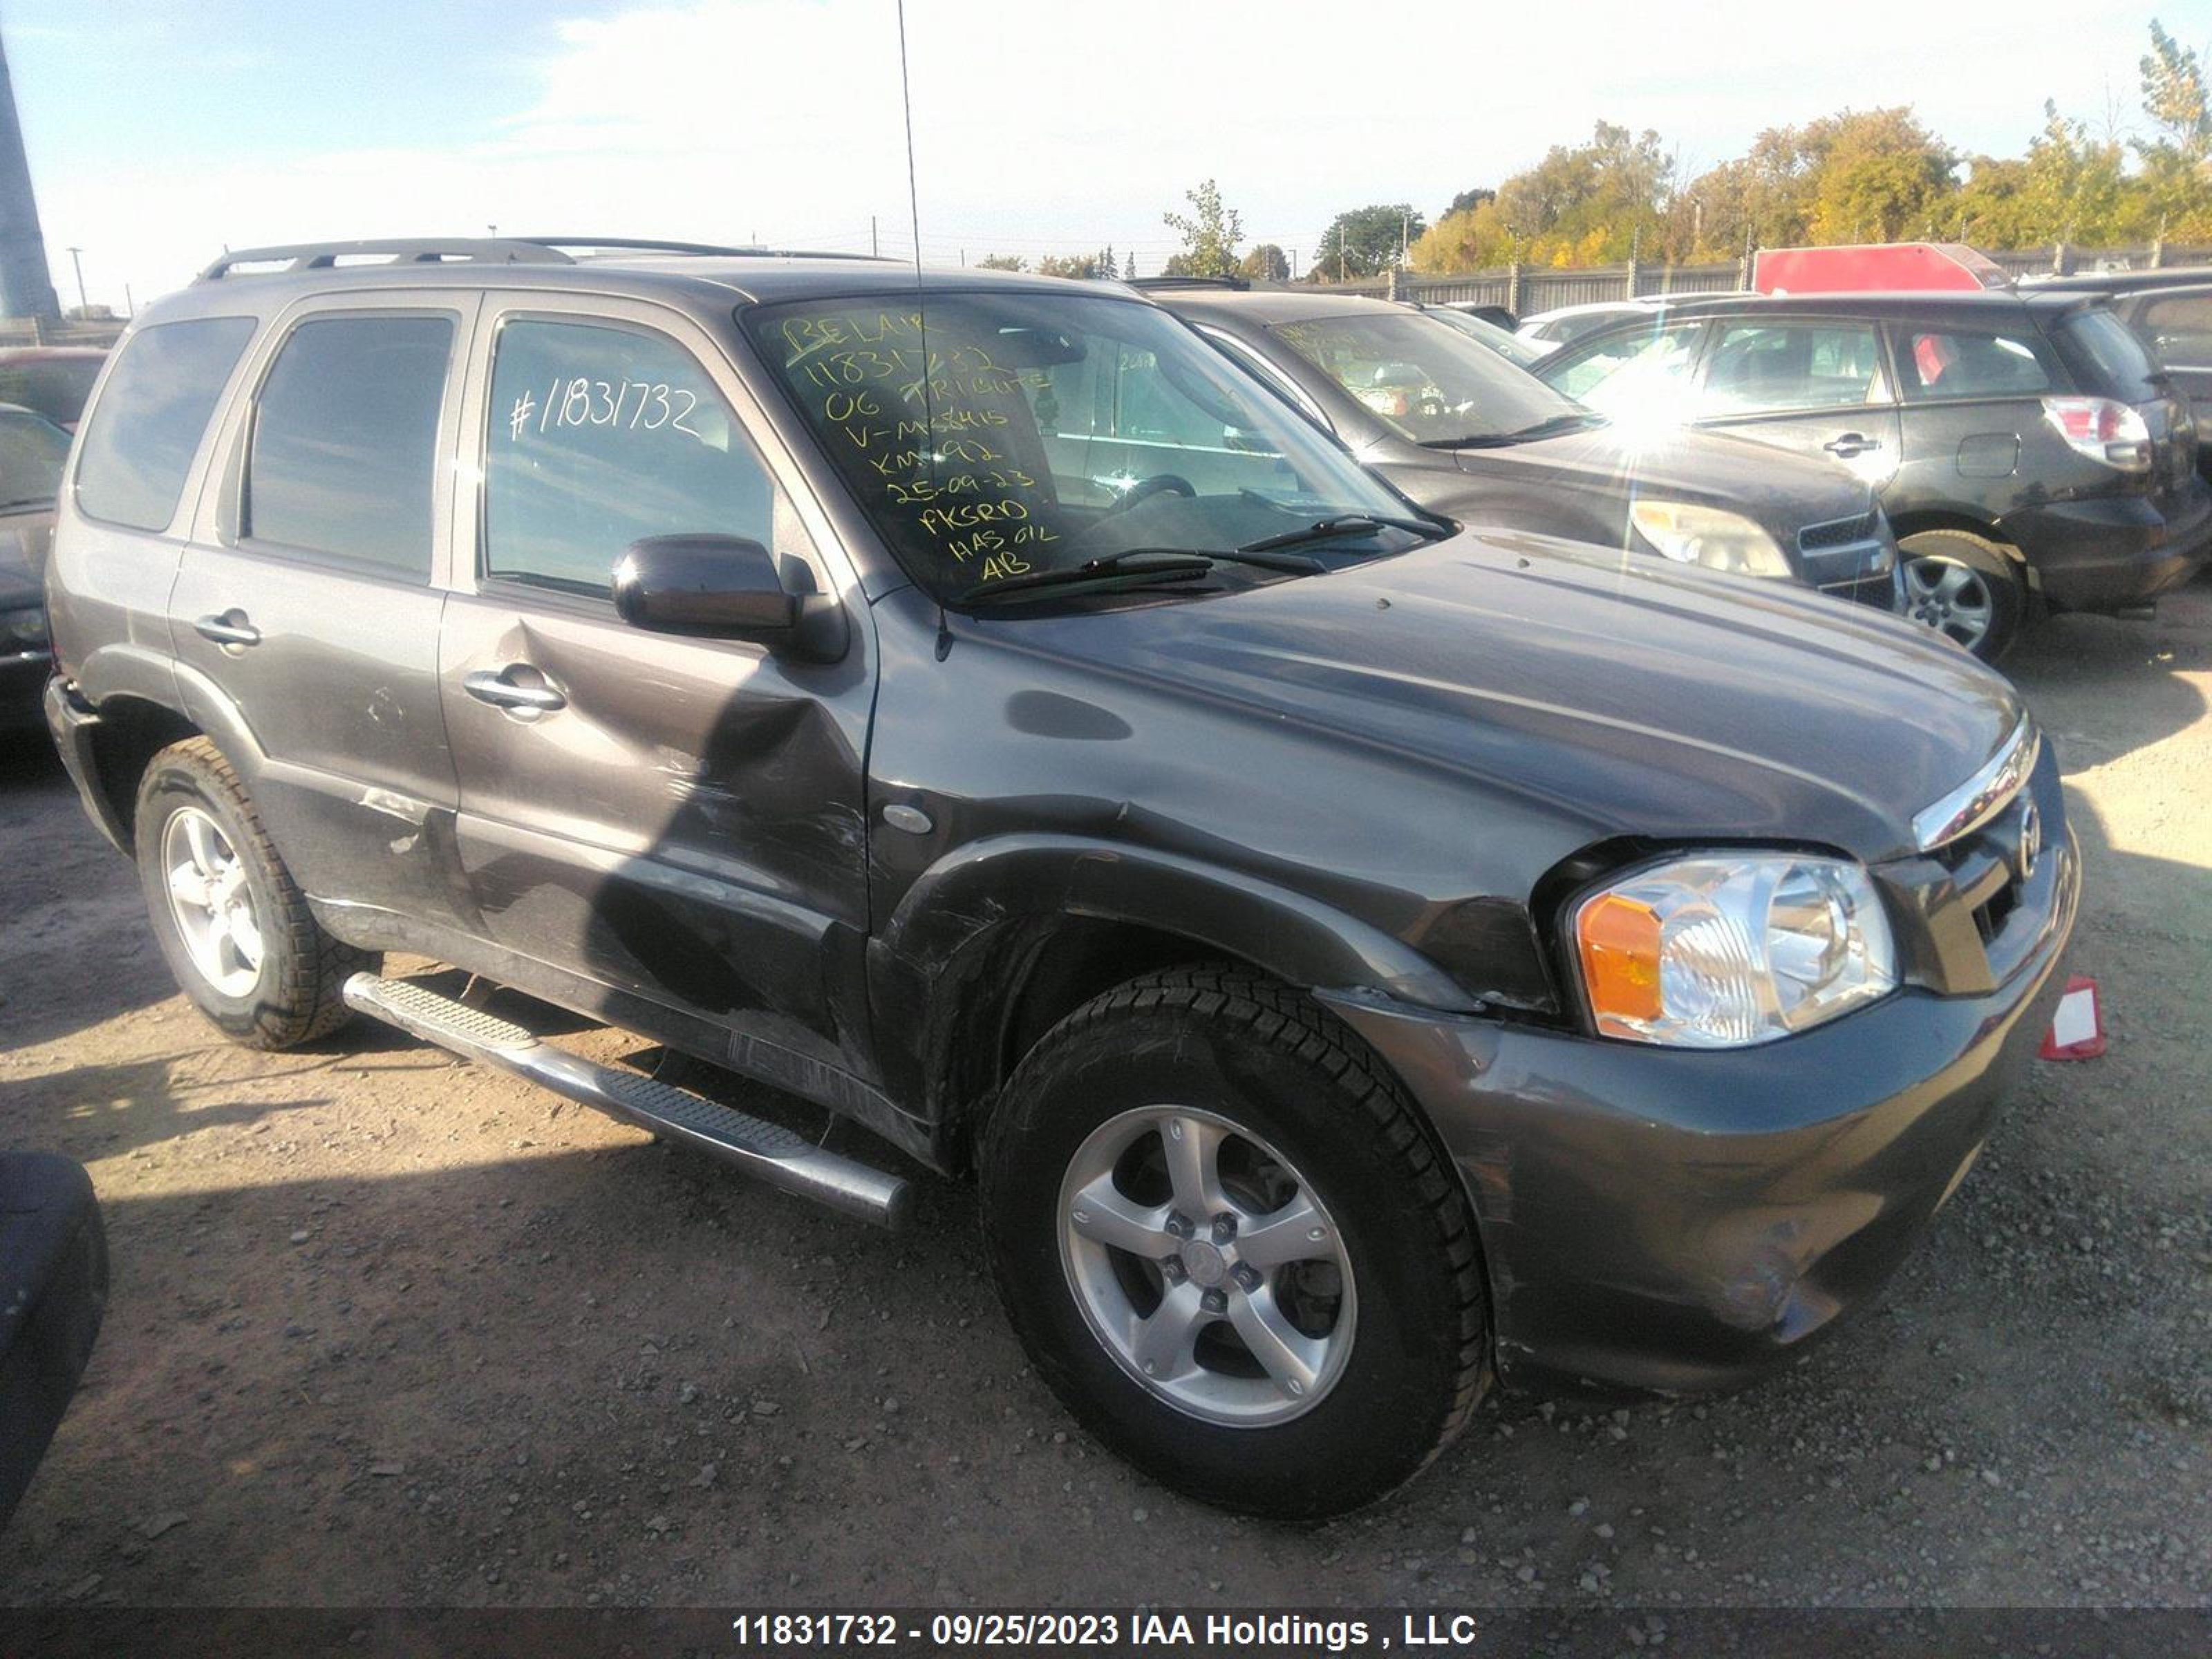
point(391, 1331)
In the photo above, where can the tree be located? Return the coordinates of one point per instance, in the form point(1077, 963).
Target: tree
point(1004, 262)
point(1877, 176)
point(2177, 160)
point(1266, 263)
point(1089, 266)
point(1210, 235)
point(1468, 200)
point(1365, 241)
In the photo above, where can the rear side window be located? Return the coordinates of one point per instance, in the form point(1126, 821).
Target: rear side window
point(345, 440)
point(1973, 363)
point(149, 423)
point(602, 436)
point(2178, 328)
point(1759, 366)
point(55, 386)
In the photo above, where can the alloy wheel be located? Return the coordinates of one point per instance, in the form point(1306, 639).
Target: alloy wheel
point(1951, 598)
point(1207, 1265)
point(211, 902)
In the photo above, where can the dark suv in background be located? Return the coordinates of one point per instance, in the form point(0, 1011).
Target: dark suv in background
point(2025, 447)
point(1469, 434)
point(1357, 957)
point(2171, 313)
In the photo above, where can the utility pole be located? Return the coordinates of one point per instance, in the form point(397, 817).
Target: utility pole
point(875, 248)
point(84, 306)
point(130, 305)
point(1405, 240)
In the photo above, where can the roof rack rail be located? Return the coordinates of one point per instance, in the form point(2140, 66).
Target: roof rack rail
point(1188, 282)
point(655, 245)
point(293, 258)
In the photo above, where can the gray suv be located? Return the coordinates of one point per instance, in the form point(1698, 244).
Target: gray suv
point(1358, 958)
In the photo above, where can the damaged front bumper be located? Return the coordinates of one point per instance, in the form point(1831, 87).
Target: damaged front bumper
point(1676, 1220)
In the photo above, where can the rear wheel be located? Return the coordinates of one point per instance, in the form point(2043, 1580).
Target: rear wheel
point(1229, 1244)
point(1966, 587)
point(234, 926)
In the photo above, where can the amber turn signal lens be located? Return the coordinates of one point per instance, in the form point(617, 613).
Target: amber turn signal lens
point(1619, 939)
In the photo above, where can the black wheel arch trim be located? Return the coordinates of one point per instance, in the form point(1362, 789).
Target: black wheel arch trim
point(980, 905)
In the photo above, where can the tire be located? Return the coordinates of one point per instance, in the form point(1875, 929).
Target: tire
point(198, 833)
point(1964, 586)
point(1395, 1361)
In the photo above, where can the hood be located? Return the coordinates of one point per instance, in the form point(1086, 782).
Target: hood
point(1615, 697)
point(24, 540)
point(1783, 491)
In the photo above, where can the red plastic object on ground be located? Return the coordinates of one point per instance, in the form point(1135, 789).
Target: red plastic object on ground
point(2077, 1029)
point(1875, 268)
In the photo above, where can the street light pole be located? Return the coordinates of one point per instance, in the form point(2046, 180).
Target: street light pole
point(83, 307)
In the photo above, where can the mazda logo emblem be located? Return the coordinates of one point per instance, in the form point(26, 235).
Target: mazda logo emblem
point(2030, 840)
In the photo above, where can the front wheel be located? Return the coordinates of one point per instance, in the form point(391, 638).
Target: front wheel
point(1231, 1247)
point(1964, 586)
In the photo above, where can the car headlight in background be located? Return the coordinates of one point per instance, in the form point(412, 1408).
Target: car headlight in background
point(24, 629)
point(1709, 536)
point(1723, 951)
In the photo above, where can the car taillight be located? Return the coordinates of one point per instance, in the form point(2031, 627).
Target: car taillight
point(2103, 428)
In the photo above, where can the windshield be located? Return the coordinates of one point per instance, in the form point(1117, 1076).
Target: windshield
point(1052, 431)
point(32, 452)
point(1426, 379)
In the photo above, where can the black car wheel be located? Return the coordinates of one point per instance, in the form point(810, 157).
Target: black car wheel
point(1231, 1246)
point(1964, 586)
point(232, 922)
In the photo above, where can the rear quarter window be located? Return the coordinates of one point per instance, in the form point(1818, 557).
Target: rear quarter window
point(2107, 358)
point(147, 425)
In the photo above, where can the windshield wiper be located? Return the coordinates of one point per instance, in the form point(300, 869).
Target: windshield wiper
point(1558, 425)
point(1342, 523)
point(1135, 564)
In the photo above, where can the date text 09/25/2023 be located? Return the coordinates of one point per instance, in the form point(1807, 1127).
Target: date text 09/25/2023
point(1272, 1632)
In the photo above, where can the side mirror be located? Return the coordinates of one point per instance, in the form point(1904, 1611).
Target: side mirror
point(726, 587)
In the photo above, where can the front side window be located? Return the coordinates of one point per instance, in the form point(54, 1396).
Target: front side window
point(1962, 362)
point(1639, 376)
point(1426, 379)
point(603, 434)
point(1761, 365)
point(346, 434)
point(996, 436)
point(149, 423)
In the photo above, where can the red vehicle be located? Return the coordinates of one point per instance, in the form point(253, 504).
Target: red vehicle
point(1875, 268)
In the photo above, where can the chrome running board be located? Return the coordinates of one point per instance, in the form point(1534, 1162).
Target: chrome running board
point(767, 1151)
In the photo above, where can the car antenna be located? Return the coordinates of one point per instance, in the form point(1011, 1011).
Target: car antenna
point(921, 316)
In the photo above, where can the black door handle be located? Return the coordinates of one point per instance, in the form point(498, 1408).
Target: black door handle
point(493, 686)
point(1851, 443)
point(230, 629)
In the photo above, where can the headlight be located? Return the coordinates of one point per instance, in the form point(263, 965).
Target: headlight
point(1708, 536)
point(1723, 950)
point(24, 629)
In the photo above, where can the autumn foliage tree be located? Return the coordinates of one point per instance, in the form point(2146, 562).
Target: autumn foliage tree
point(1856, 175)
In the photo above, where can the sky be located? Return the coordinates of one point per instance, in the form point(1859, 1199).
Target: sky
point(161, 131)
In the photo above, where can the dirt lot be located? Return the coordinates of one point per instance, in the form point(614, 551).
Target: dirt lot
point(389, 1331)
